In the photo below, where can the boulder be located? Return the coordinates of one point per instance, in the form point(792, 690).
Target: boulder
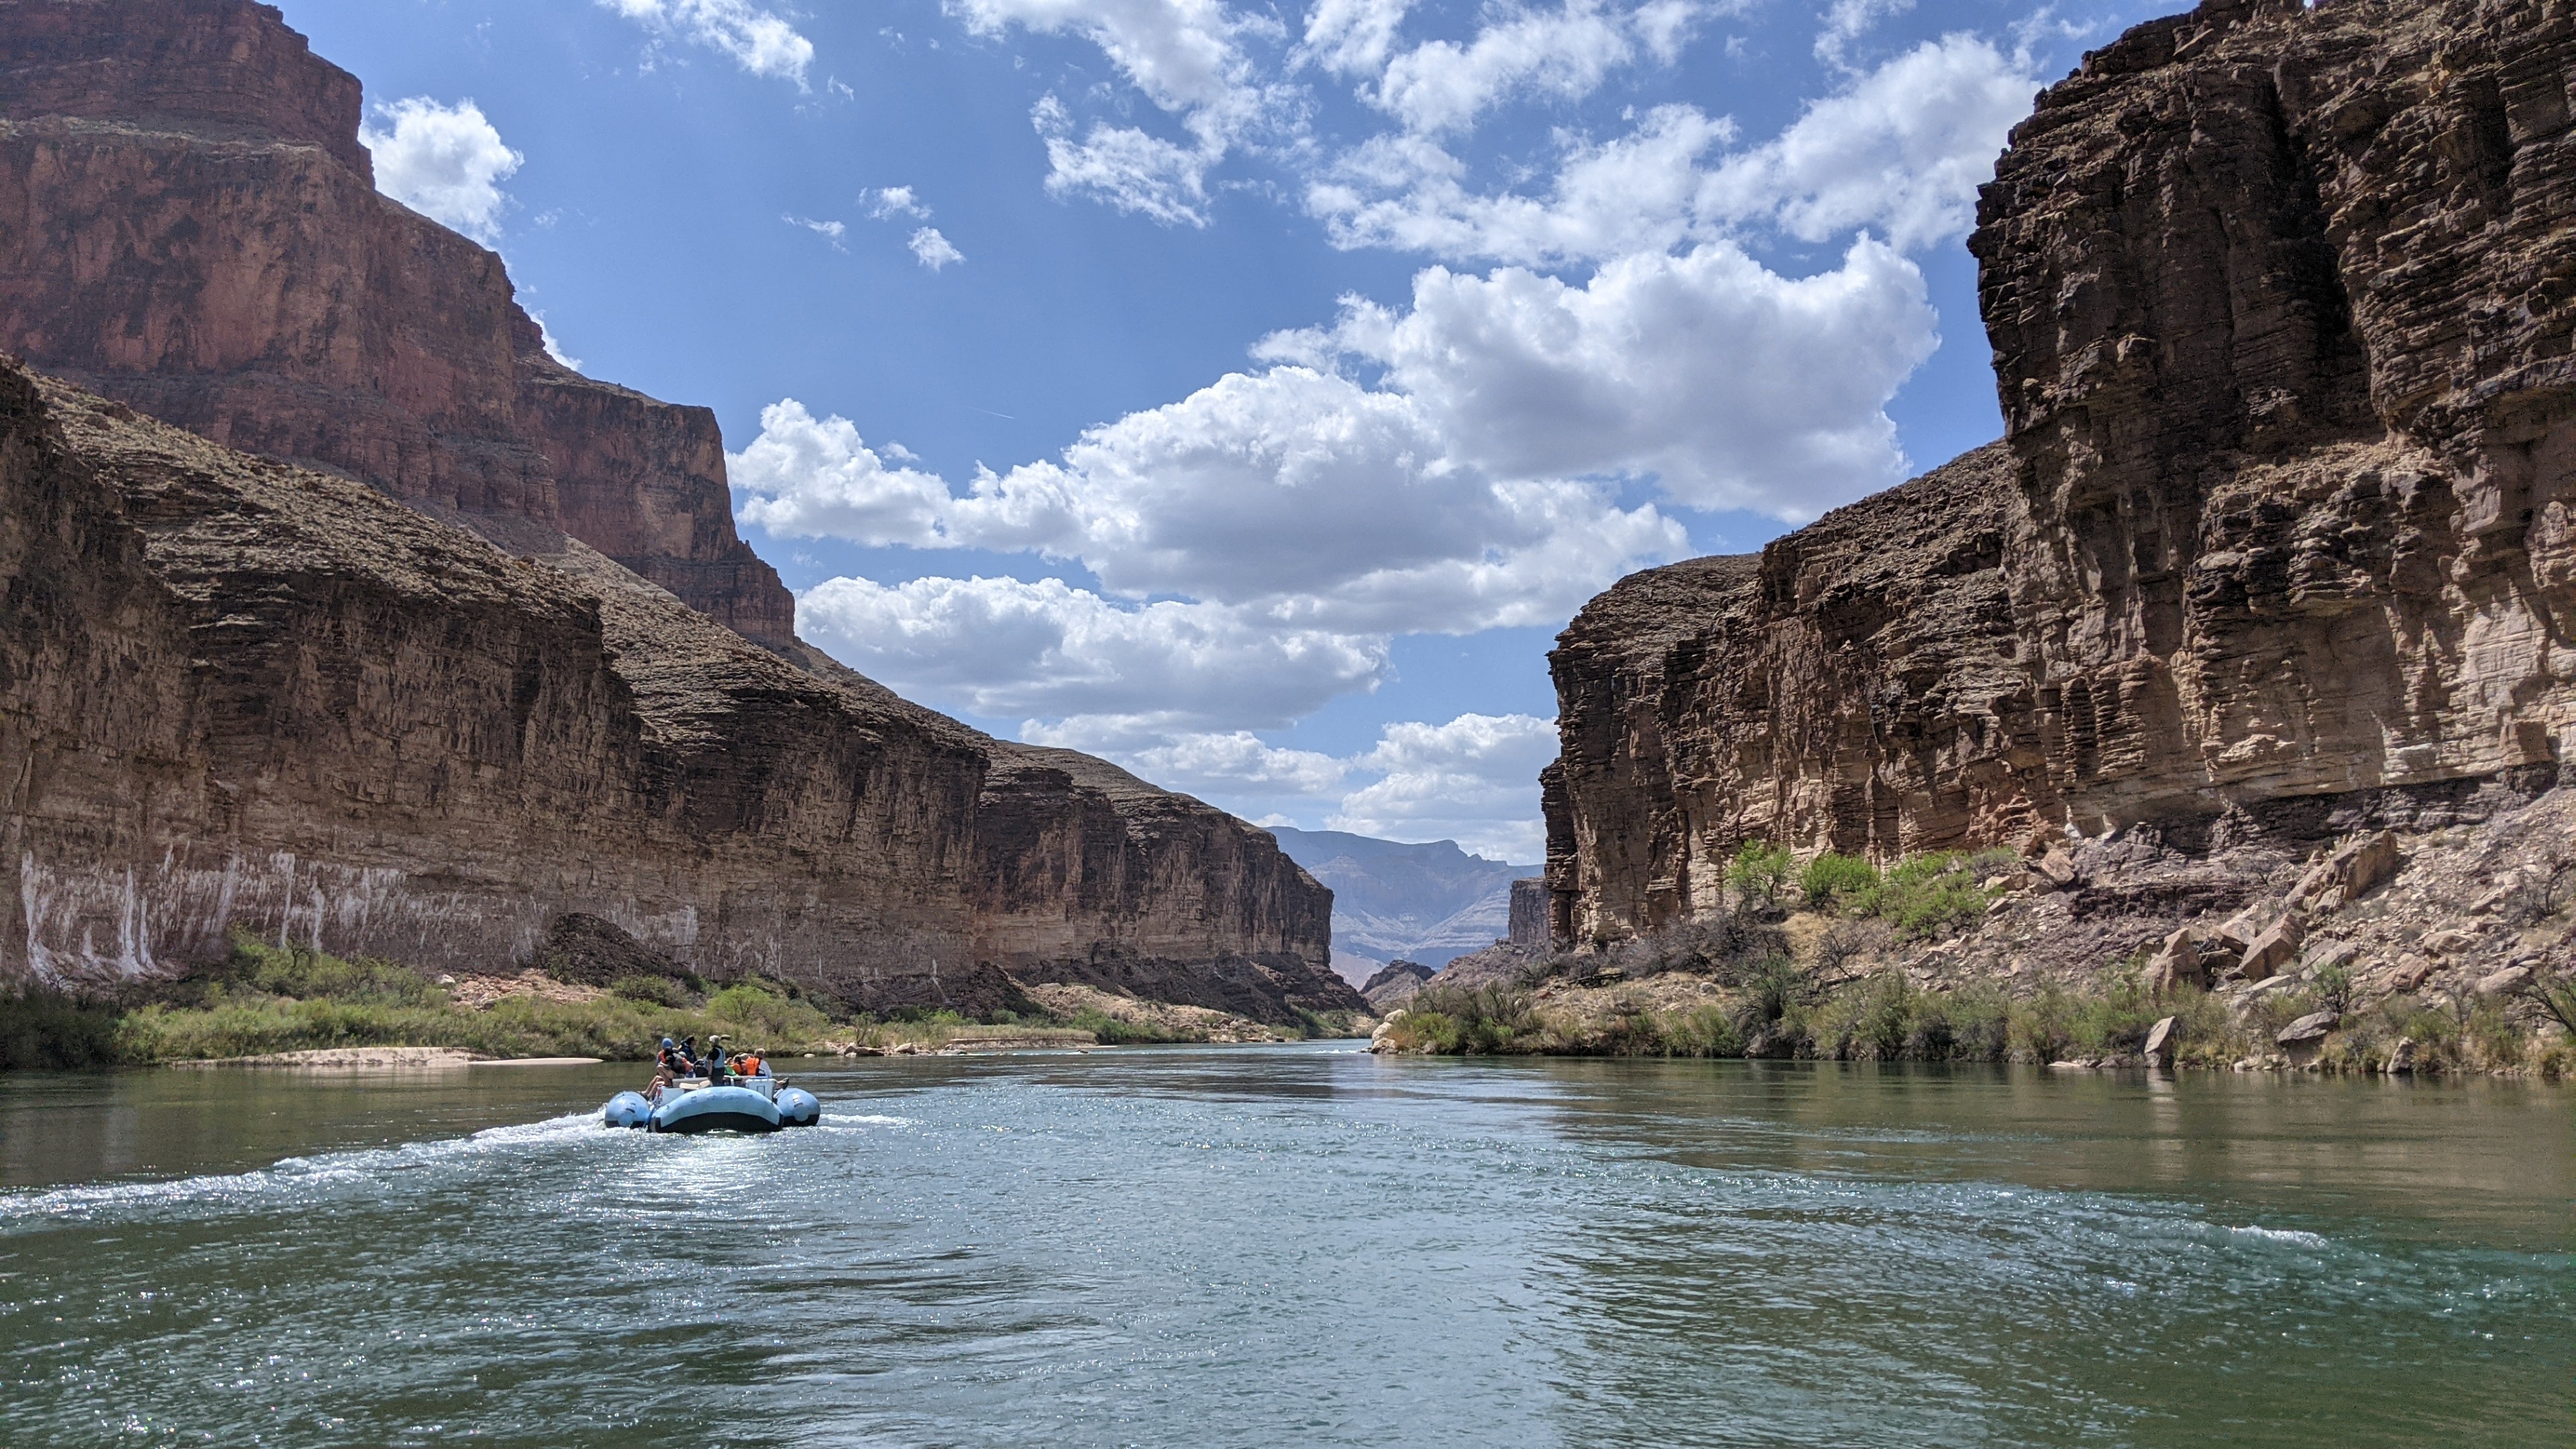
point(2274, 949)
point(2410, 973)
point(2329, 956)
point(2161, 1037)
point(2504, 983)
point(2449, 941)
point(2178, 962)
point(2354, 869)
point(2270, 984)
point(2241, 930)
point(2057, 868)
point(2312, 1027)
point(2401, 1058)
point(2304, 1038)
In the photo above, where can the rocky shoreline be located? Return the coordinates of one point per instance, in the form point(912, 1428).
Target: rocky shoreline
point(2437, 937)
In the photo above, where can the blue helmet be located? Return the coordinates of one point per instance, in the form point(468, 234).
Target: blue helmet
point(667, 1043)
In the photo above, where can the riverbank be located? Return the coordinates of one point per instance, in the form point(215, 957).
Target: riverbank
point(266, 1002)
point(1775, 1008)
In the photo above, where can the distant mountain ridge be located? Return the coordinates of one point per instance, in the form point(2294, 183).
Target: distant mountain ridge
point(1415, 902)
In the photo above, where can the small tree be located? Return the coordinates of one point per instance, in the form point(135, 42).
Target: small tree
point(1760, 872)
point(2334, 989)
point(2554, 988)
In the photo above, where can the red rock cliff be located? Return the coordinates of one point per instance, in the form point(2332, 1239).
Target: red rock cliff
point(235, 693)
point(239, 693)
point(2285, 511)
point(188, 223)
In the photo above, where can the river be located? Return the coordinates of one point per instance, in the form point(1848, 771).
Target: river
point(1290, 1246)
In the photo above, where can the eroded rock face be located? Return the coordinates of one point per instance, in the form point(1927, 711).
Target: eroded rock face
point(188, 224)
point(235, 693)
point(242, 695)
point(2283, 512)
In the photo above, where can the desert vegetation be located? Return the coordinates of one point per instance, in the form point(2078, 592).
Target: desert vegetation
point(1752, 995)
point(263, 999)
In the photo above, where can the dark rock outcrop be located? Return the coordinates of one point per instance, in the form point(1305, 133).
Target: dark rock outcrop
point(2282, 534)
point(589, 951)
point(1395, 984)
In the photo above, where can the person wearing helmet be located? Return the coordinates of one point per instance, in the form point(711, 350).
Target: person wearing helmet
point(668, 1064)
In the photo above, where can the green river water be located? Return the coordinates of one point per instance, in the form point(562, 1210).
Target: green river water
point(1290, 1246)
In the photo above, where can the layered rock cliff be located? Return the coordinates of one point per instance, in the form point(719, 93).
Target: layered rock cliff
point(235, 693)
point(268, 694)
point(188, 223)
point(2281, 536)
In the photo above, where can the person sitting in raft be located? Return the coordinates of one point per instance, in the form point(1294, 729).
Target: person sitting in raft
point(668, 1064)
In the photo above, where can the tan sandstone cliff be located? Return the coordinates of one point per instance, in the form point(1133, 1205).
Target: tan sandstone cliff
point(2279, 542)
point(239, 693)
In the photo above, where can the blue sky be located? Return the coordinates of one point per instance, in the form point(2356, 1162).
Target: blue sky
point(1245, 393)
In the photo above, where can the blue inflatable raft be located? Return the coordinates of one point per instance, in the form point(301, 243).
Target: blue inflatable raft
point(740, 1104)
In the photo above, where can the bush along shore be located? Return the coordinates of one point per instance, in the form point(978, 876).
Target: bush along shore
point(1797, 969)
point(264, 1000)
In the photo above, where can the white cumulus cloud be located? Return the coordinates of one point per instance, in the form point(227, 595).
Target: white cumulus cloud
point(1229, 762)
point(1562, 54)
point(892, 201)
point(1848, 20)
point(1901, 150)
point(445, 162)
point(1353, 37)
point(1734, 386)
point(1637, 193)
point(1002, 647)
point(1473, 780)
point(1189, 58)
point(809, 477)
point(554, 347)
point(760, 41)
point(933, 250)
point(1296, 494)
point(831, 231)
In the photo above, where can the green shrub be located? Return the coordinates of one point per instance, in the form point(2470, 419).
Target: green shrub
point(1924, 896)
point(1113, 1031)
point(310, 975)
point(2043, 1029)
point(45, 1030)
point(1976, 1022)
point(1704, 1031)
point(752, 1015)
point(1832, 880)
point(1760, 872)
point(651, 991)
point(1465, 1021)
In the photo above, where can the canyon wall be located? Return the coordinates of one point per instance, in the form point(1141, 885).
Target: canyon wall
point(188, 223)
point(2282, 523)
point(444, 662)
point(240, 694)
